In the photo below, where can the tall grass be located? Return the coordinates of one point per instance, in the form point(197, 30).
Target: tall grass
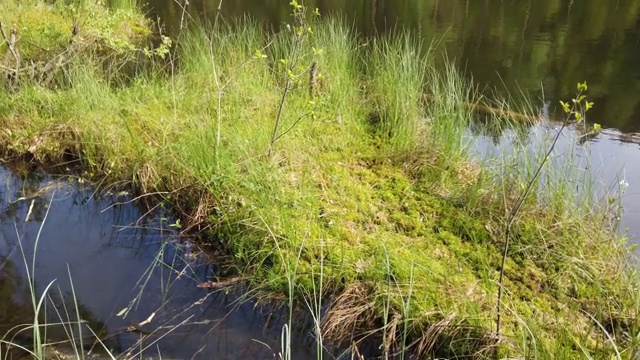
point(398, 71)
point(369, 186)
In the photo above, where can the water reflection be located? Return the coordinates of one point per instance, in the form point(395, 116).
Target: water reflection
point(117, 260)
point(541, 47)
point(601, 167)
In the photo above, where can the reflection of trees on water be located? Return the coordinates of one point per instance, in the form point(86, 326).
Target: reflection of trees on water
point(18, 195)
point(523, 44)
point(16, 311)
point(14, 298)
point(12, 189)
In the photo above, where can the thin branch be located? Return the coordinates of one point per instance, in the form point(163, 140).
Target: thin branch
point(287, 88)
point(4, 35)
point(11, 44)
point(218, 11)
point(518, 206)
point(292, 126)
point(61, 59)
point(283, 99)
point(184, 12)
point(134, 199)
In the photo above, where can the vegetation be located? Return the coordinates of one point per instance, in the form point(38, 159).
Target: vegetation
point(552, 43)
point(334, 171)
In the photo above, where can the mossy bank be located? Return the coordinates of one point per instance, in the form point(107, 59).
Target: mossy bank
point(325, 165)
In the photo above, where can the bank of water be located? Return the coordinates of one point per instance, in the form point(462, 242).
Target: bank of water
point(541, 48)
point(327, 212)
point(125, 266)
point(606, 162)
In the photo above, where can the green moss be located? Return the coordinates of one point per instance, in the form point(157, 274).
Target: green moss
point(42, 33)
point(45, 34)
point(407, 216)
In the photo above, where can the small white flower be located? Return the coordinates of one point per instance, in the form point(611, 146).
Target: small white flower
point(624, 184)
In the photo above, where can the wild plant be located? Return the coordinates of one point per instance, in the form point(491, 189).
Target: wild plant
point(575, 111)
point(292, 65)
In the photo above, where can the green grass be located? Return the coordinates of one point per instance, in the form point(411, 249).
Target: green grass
point(368, 198)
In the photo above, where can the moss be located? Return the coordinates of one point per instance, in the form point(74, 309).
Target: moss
point(42, 32)
point(407, 218)
point(52, 34)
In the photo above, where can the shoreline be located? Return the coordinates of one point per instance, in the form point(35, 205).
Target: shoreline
point(345, 186)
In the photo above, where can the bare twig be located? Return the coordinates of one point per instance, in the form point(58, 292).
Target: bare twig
point(11, 40)
point(61, 59)
point(134, 199)
point(292, 126)
point(313, 80)
point(11, 44)
point(184, 12)
point(218, 11)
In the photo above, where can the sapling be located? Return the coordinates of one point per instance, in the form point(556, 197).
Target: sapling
point(574, 111)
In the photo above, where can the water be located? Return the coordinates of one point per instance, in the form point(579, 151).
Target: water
point(603, 162)
point(112, 255)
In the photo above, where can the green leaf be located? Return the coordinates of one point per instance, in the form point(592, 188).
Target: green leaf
point(122, 312)
point(583, 86)
point(597, 127)
point(565, 107)
point(259, 55)
point(579, 117)
point(588, 105)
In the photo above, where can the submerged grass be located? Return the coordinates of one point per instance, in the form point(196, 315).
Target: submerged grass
point(41, 326)
point(368, 198)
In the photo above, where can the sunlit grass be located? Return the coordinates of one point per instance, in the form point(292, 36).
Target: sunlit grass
point(368, 199)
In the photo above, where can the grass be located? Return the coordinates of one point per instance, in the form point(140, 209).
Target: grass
point(368, 199)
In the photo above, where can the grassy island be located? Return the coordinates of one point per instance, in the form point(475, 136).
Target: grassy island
point(332, 168)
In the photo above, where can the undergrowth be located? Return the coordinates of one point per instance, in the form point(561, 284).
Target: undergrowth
point(367, 198)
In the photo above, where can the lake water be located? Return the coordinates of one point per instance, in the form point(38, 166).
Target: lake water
point(118, 258)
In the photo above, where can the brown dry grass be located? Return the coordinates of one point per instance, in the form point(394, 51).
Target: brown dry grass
point(350, 313)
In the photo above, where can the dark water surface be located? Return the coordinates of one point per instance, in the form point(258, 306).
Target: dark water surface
point(118, 259)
